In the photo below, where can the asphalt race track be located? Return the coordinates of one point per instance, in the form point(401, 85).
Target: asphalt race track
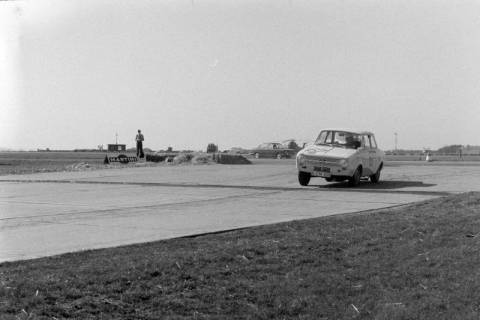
point(51, 213)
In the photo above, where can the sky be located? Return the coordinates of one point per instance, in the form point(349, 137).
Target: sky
point(237, 73)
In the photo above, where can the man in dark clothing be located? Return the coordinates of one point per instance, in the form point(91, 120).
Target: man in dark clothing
point(139, 139)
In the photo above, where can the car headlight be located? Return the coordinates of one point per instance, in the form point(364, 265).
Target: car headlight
point(301, 160)
point(343, 163)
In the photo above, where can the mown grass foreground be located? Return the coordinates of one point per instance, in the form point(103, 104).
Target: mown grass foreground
point(415, 262)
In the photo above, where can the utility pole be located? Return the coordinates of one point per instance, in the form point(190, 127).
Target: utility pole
point(116, 138)
point(396, 141)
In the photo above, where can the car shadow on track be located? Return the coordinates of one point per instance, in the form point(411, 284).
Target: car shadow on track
point(381, 185)
point(387, 186)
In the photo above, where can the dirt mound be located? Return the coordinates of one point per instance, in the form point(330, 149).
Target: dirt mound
point(202, 158)
point(182, 158)
point(80, 166)
point(198, 158)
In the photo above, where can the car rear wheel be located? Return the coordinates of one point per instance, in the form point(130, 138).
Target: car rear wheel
point(374, 178)
point(303, 178)
point(355, 179)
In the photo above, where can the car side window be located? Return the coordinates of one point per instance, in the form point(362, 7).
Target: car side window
point(362, 141)
point(329, 137)
point(321, 137)
point(374, 142)
point(340, 138)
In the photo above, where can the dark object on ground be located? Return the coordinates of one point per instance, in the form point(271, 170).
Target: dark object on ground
point(230, 159)
point(116, 147)
point(155, 158)
point(122, 158)
point(160, 157)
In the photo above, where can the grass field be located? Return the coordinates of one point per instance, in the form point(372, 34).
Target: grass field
point(30, 162)
point(415, 262)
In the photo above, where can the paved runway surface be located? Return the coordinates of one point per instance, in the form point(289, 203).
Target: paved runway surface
point(52, 213)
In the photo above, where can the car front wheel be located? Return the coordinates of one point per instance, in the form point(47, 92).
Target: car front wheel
point(374, 178)
point(303, 178)
point(355, 179)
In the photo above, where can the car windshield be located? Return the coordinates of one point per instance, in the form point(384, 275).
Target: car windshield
point(339, 138)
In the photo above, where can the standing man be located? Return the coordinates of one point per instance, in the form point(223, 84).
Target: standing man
point(139, 139)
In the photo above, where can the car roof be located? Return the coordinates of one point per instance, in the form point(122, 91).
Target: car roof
point(349, 130)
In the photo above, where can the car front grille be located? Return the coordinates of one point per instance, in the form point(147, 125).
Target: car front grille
point(321, 169)
point(317, 161)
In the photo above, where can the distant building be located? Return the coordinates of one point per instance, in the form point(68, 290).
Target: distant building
point(116, 147)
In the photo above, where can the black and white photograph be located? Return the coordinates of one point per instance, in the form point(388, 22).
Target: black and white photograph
point(240, 159)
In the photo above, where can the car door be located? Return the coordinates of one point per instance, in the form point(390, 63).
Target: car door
point(372, 157)
point(363, 155)
point(374, 154)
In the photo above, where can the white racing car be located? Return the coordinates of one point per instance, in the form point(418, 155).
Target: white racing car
point(339, 155)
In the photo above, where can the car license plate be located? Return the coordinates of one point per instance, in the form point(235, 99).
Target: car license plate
point(321, 174)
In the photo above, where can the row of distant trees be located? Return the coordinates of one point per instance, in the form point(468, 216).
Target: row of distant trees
point(454, 148)
point(450, 149)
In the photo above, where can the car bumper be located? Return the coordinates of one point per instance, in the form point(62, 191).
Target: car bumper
point(325, 170)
